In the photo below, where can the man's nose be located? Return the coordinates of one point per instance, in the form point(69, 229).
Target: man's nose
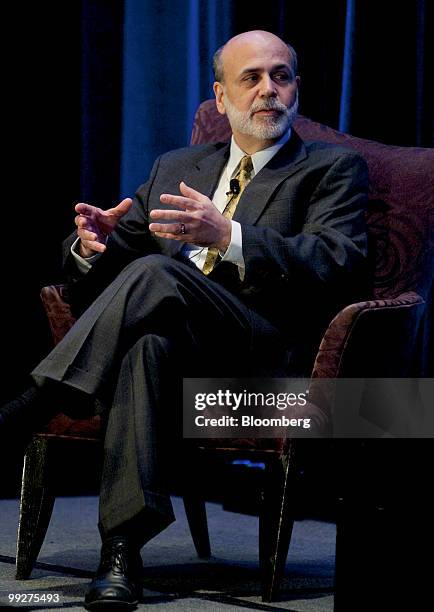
point(268, 87)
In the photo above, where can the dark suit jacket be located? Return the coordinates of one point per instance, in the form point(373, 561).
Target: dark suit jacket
point(303, 232)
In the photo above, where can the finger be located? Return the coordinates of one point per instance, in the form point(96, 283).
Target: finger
point(94, 245)
point(170, 215)
point(86, 209)
point(87, 235)
point(122, 208)
point(85, 222)
point(178, 201)
point(181, 237)
point(191, 193)
point(174, 229)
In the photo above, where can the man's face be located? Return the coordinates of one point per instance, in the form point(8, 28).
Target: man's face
point(259, 93)
point(257, 123)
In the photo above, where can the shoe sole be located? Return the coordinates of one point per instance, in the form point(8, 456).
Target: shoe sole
point(112, 604)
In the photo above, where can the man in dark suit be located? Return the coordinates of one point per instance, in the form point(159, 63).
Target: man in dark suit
point(229, 261)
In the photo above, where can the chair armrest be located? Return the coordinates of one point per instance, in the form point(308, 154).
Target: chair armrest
point(56, 303)
point(371, 330)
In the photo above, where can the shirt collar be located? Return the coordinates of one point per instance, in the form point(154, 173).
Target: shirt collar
point(259, 159)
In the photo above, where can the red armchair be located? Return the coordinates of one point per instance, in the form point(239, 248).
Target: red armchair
point(380, 337)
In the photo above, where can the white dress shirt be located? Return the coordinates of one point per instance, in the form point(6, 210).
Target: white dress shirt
point(234, 252)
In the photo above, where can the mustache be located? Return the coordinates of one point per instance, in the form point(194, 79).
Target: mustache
point(269, 104)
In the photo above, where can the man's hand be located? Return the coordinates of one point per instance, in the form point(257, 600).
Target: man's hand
point(198, 221)
point(94, 225)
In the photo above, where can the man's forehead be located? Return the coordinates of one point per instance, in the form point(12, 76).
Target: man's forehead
point(255, 53)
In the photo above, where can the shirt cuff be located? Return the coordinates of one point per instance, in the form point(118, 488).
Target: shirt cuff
point(234, 252)
point(84, 264)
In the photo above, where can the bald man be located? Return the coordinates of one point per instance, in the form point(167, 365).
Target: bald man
point(229, 261)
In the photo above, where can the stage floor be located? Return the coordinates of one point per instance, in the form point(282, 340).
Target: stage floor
point(175, 578)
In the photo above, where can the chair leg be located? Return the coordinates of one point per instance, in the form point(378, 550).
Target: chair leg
point(36, 507)
point(276, 521)
point(196, 516)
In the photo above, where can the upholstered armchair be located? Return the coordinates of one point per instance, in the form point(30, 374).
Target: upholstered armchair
point(379, 337)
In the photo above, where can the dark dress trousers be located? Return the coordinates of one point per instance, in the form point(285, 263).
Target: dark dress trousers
point(148, 317)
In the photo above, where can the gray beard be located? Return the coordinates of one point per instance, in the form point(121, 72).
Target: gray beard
point(265, 128)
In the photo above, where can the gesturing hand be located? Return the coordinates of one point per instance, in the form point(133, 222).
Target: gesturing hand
point(198, 221)
point(94, 225)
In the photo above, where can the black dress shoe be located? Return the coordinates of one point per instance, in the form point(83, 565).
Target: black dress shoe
point(117, 584)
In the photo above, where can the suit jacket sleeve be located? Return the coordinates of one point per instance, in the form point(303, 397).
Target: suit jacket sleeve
point(130, 240)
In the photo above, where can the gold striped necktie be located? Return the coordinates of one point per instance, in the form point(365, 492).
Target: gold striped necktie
point(243, 176)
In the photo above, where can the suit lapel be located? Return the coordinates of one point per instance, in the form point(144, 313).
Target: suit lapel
point(259, 191)
point(204, 177)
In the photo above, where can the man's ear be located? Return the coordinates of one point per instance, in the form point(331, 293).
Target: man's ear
point(219, 98)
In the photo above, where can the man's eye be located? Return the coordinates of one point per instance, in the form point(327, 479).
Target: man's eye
point(252, 78)
point(281, 76)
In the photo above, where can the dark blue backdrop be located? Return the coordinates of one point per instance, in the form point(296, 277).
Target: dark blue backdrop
point(99, 89)
point(147, 65)
point(167, 52)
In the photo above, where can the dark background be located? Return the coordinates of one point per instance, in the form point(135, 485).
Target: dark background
point(95, 90)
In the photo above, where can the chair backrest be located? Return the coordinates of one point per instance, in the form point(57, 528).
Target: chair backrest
point(401, 200)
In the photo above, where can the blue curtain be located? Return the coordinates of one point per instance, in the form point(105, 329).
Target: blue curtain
point(347, 68)
point(168, 48)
